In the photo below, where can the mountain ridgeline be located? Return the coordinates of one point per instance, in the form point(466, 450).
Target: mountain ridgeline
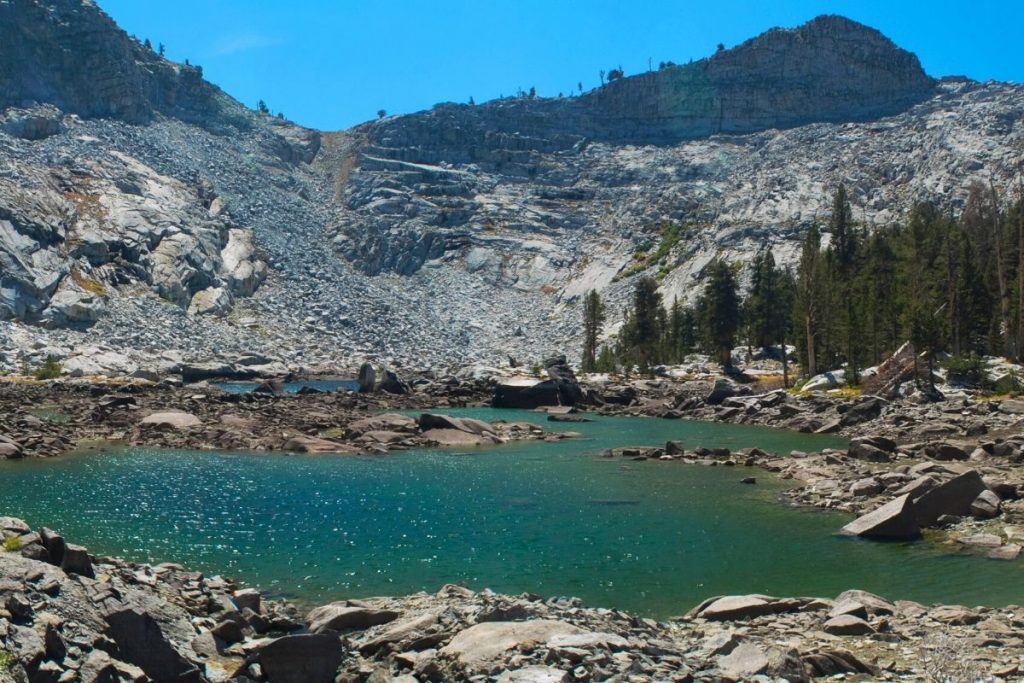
point(131, 183)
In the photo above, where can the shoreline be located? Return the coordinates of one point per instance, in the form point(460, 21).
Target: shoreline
point(108, 619)
point(861, 636)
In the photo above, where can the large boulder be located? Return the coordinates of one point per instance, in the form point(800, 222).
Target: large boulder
point(172, 419)
point(723, 389)
point(367, 378)
point(141, 641)
point(391, 383)
point(340, 616)
point(477, 645)
point(953, 497)
point(560, 389)
point(894, 520)
point(305, 658)
point(733, 607)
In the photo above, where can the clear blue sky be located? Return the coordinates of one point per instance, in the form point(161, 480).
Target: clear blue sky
point(330, 64)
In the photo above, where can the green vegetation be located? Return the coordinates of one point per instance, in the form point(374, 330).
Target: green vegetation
point(8, 659)
point(942, 283)
point(51, 369)
point(593, 319)
point(669, 236)
point(12, 544)
point(966, 369)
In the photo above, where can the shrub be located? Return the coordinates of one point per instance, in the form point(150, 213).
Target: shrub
point(966, 369)
point(12, 544)
point(51, 369)
point(8, 659)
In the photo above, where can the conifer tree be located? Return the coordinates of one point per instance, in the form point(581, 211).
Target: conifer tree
point(810, 281)
point(720, 311)
point(593, 319)
point(642, 329)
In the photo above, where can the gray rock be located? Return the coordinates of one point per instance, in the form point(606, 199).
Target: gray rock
point(985, 506)
point(141, 642)
point(308, 658)
point(953, 497)
point(847, 625)
point(894, 520)
point(341, 616)
point(76, 560)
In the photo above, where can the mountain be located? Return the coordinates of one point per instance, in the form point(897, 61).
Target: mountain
point(144, 210)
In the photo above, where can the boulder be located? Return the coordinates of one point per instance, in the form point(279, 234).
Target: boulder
point(340, 616)
point(535, 674)
point(76, 560)
point(749, 660)
point(215, 301)
point(986, 505)
point(141, 642)
point(867, 409)
point(722, 389)
point(247, 598)
point(869, 450)
point(526, 393)
point(172, 419)
point(953, 497)
point(733, 607)
point(456, 438)
point(305, 658)
point(847, 625)
point(391, 383)
point(477, 645)
point(868, 486)
point(946, 452)
point(894, 520)
point(367, 378)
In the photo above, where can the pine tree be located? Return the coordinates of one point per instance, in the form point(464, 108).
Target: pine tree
point(720, 309)
point(642, 330)
point(766, 314)
point(810, 281)
point(593, 319)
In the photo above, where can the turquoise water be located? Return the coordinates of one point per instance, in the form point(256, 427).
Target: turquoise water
point(550, 518)
point(293, 387)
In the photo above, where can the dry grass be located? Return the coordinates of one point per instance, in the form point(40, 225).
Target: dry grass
point(87, 283)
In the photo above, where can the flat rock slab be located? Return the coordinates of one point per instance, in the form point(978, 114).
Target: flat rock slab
point(344, 617)
point(534, 674)
point(312, 444)
point(482, 643)
point(894, 520)
point(457, 438)
point(737, 607)
point(172, 419)
point(847, 625)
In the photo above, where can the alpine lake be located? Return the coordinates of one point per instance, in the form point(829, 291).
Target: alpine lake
point(550, 518)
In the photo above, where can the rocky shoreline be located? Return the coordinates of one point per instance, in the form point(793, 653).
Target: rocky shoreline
point(69, 616)
point(73, 617)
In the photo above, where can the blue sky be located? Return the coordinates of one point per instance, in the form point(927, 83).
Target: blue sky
point(333, 64)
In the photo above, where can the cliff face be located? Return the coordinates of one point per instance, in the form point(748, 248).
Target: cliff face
point(828, 70)
point(70, 54)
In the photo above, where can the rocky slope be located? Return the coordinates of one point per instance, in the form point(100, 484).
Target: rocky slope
point(143, 209)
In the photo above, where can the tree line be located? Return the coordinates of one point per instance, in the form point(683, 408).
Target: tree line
point(942, 282)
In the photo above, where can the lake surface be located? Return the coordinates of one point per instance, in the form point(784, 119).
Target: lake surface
point(293, 387)
point(549, 518)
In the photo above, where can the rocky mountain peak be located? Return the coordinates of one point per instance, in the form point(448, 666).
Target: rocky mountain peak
point(70, 54)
